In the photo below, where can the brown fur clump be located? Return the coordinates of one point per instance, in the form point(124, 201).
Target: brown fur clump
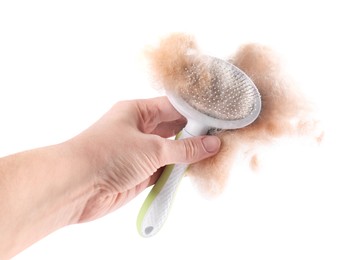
point(179, 67)
point(285, 111)
point(170, 61)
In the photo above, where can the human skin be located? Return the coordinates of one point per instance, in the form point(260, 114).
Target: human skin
point(92, 174)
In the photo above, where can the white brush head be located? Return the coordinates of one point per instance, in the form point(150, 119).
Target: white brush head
point(217, 95)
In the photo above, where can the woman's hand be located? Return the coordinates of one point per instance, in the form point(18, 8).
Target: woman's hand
point(128, 148)
point(92, 174)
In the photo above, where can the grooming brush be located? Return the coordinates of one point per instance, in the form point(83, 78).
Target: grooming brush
point(212, 94)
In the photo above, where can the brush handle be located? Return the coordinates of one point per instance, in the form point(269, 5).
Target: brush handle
point(155, 209)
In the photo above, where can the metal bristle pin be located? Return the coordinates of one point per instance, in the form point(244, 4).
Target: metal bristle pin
point(216, 95)
point(228, 94)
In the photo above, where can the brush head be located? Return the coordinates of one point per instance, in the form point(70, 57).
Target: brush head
point(206, 89)
point(216, 93)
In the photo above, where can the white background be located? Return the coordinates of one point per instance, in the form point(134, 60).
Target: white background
point(64, 63)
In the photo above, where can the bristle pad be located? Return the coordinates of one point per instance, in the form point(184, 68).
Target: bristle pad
point(219, 89)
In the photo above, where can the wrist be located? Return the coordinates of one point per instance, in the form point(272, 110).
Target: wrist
point(41, 190)
point(79, 179)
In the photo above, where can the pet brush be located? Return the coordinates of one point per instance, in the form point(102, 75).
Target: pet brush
point(211, 94)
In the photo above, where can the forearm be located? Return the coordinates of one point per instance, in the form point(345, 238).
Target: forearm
point(41, 191)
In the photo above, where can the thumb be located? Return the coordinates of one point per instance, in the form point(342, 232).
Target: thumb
point(191, 150)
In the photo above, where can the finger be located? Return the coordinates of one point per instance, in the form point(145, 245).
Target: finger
point(189, 150)
point(155, 176)
point(123, 198)
point(148, 182)
point(168, 129)
point(155, 111)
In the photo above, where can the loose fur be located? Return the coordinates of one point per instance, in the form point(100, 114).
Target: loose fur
point(169, 62)
point(285, 111)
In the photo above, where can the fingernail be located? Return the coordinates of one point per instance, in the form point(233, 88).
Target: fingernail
point(211, 143)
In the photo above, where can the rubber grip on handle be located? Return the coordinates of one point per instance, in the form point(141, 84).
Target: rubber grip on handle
point(155, 209)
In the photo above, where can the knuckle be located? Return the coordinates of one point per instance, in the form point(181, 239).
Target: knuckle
point(191, 150)
point(160, 148)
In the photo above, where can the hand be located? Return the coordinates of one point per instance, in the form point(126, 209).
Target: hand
point(94, 173)
point(128, 148)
